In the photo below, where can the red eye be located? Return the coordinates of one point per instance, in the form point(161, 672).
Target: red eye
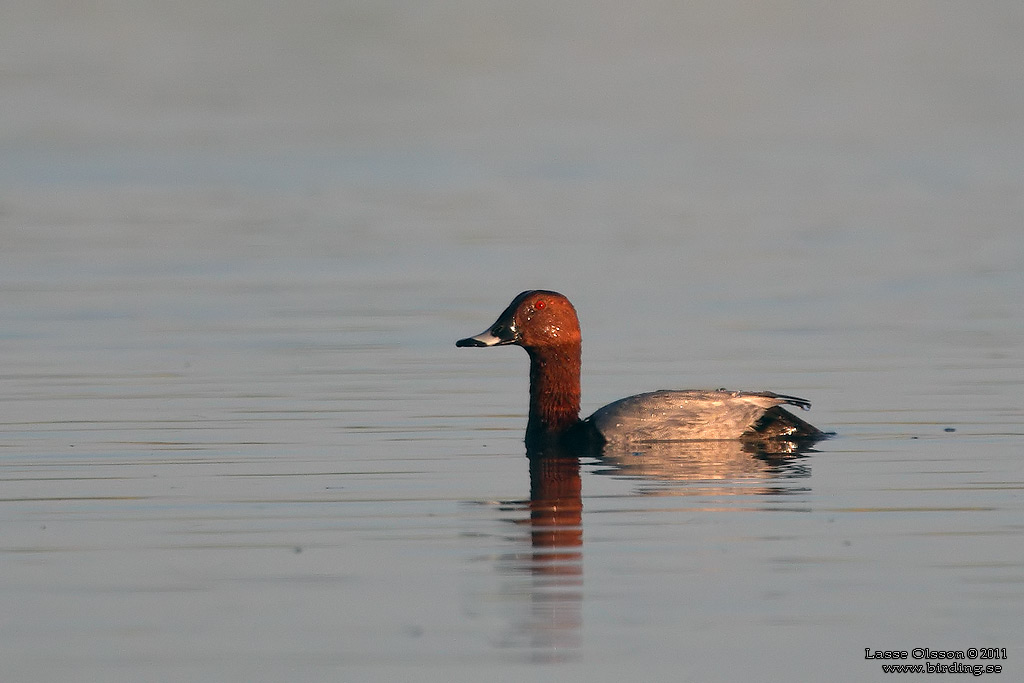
point(540, 304)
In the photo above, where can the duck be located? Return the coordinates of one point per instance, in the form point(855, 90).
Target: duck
point(545, 324)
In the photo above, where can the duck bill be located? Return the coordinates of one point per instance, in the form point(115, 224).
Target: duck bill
point(499, 334)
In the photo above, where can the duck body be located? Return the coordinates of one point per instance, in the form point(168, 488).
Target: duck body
point(698, 414)
point(545, 324)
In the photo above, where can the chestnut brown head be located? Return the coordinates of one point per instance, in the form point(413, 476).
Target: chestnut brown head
point(536, 318)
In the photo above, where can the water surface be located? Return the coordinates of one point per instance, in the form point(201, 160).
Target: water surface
point(238, 443)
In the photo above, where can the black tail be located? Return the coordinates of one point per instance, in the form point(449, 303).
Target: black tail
point(777, 423)
point(801, 403)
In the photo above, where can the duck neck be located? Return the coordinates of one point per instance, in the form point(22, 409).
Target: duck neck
point(554, 389)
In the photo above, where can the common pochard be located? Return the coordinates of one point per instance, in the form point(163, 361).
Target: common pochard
point(545, 324)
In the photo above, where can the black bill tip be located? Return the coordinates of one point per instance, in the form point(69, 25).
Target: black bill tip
point(470, 341)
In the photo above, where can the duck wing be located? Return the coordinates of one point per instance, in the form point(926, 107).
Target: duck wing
point(701, 415)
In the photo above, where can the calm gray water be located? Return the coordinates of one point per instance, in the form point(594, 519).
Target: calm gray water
point(239, 242)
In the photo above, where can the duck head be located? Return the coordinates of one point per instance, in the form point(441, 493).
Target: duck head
point(535, 319)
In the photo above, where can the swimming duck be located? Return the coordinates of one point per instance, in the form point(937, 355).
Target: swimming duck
point(545, 324)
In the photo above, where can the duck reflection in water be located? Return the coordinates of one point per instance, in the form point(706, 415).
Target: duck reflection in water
point(556, 511)
point(550, 575)
point(718, 468)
